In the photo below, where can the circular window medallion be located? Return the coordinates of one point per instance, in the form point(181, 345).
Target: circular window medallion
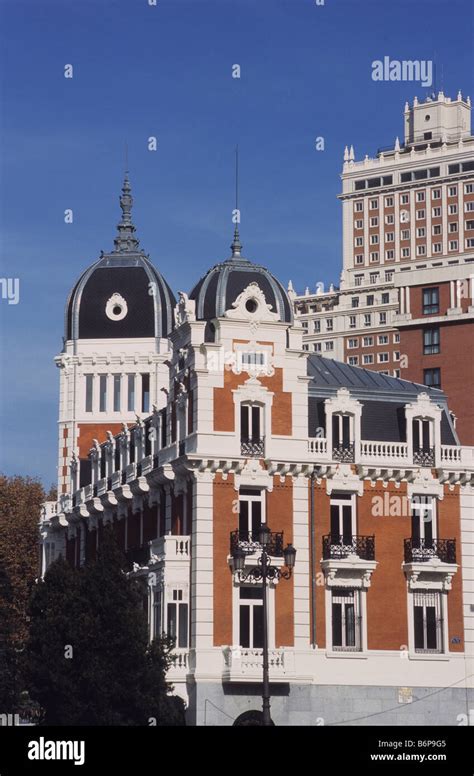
point(427, 117)
point(251, 305)
point(116, 308)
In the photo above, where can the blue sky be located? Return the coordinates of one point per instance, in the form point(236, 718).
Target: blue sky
point(165, 71)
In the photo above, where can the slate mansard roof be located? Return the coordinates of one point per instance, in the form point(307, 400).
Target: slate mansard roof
point(383, 399)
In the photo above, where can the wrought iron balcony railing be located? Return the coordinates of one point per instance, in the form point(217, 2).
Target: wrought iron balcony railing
point(250, 543)
point(342, 546)
point(343, 452)
point(424, 550)
point(253, 448)
point(424, 456)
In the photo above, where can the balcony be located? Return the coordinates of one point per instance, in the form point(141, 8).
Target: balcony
point(179, 666)
point(343, 452)
point(344, 546)
point(252, 448)
point(384, 452)
point(424, 456)
point(170, 547)
point(425, 550)
point(244, 664)
point(250, 544)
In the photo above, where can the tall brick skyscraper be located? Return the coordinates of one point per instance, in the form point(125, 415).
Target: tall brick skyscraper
point(405, 306)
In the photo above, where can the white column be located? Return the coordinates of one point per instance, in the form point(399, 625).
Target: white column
point(452, 300)
point(402, 300)
point(407, 292)
point(301, 574)
point(202, 564)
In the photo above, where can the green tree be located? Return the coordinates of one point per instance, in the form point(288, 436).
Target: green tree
point(9, 658)
point(89, 659)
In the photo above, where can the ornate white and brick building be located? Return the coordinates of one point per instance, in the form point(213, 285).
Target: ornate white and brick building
point(186, 426)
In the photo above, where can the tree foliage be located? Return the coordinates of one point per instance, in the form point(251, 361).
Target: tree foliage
point(88, 657)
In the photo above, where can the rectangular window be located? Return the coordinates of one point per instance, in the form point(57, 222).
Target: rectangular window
point(432, 377)
point(436, 194)
point(427, 621)
point(452, 210)
point(317, 347)
point(431, 341)
point(469, 207)
point(355, 301)
point(317, 327)
point(353, 343)
point(367, 319)
point(437, 247)
point(359, 241)
point(420, 196)
point(374, 239)
point(383, 339)
point(404, 199)
point(453, 226)
point(131, 393)
point(430, 301)
point(367, 342)
point(436, 229)
point(374, 257)
point(358, 280)
point(352, 321)
point(102, 393)
point(329, 345)
point(389, 256)
point(145, 392)
point(385, 298)
point(383, 318)
point(117, 387)
point(389, 236)
point(469, 225)
point(370, 300)
point(358, 207)
point(389, 203)
point(453, 191)
point(250, 423)
point(374, 203)
point(368, 359)
point(353, 360)
point(389, 219)
point(421, 250)
point(329, 324)
point(469, 188)
point(178, 619)
point(396, 337)
point(251, 617)
point(359, 224)
point(157, 613)
point(421, 231)
point(405, 234)
point(405, 253)
point(421, 215)
point(89, 392)
point(374, 278)
point(251, 503)
point(453, 245)
point(359, 259)
point(346, 620)
point(396, 355)
point(382, 358)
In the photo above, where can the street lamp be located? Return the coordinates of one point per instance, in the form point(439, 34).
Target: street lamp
point(264, 571)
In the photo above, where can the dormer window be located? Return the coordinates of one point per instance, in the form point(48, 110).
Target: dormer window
point(423, 445)
point(342, 438)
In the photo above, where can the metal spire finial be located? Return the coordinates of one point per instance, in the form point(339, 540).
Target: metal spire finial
point(236, 246)
point(125, 240)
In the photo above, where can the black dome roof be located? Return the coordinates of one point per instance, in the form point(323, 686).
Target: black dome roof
point(221, 285)
point(122, 294)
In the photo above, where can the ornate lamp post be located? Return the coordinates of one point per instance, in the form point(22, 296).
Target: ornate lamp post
point(264, 571)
